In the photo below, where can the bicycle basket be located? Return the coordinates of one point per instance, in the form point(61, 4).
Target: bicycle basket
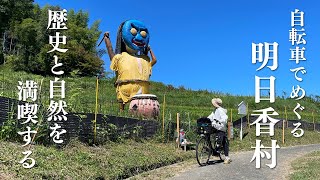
point(204, 126)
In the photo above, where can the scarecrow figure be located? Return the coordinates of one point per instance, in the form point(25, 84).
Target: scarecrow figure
point(130, 60)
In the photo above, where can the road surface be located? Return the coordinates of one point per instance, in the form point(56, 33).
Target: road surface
point(241, 168)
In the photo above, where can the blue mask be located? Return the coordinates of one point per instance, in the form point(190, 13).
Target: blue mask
point(135, 35)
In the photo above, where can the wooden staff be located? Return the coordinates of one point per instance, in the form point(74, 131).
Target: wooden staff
point(283, 127)
point(169, 127)
point(248, 115)
point(164, 105)
point(314, 124)
point(96, 111)
point(285, 111)
point(178, 128)
point(229, 126)
point(283, 121)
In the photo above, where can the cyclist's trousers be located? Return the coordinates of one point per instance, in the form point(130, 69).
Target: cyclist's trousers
point(225, 144)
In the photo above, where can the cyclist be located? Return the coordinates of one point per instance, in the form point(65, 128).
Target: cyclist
point(219, 121)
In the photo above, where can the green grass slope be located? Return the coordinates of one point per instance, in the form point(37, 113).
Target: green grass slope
point(191, 104)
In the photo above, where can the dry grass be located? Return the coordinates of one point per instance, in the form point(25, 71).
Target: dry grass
point(306, 167)
point(78, 161)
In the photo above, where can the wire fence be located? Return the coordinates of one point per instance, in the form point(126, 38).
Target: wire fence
point(81, 108)
point(82, 126)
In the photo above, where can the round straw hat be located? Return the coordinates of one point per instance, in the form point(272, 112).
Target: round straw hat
point(216, 102)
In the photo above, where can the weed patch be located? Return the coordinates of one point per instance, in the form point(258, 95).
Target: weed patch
point(307, 167)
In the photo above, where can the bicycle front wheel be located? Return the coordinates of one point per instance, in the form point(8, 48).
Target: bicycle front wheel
point(203, 151)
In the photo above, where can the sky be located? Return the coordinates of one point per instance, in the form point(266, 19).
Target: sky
point(207, 44)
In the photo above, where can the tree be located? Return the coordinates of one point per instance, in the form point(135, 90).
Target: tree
point(32, 38)
point(12, 11)
point(1, 58)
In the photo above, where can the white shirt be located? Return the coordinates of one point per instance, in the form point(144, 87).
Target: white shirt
point(220, 115)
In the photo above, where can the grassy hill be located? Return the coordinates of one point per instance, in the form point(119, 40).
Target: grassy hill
point(80, 97)
point(120, 160)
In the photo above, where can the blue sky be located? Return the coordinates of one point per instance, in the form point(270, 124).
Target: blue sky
point(207, 44)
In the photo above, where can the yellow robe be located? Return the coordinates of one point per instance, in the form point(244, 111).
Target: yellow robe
point(131, 68)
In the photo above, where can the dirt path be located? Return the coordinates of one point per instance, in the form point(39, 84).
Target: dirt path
point(241, 168)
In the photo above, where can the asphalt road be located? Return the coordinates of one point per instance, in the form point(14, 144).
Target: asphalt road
point(241, 168)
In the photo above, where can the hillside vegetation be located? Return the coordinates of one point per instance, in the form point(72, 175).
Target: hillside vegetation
point(191, 104)
point(125, 158)
point(78, 161)
point(306, 167)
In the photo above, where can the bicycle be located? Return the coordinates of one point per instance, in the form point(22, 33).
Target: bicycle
point(204, 148)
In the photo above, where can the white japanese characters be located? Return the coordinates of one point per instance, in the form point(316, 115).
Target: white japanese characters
point(265, 125)
point(296, 70)
point(27, 112)
point(28, 91)
point(56, 134)
point(258, 153)
point(26, 159)
point(263, 53)
point(294, 131)
point(270, 89)
point(297, 18)
point(57, 21)
point(56, 111)
point(55, 41)
point(57, 88)
point(296, 37)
